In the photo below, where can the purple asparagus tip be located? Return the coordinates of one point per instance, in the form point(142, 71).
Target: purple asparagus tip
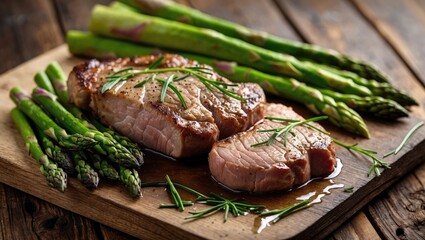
point(226, 67)
point(42, 92)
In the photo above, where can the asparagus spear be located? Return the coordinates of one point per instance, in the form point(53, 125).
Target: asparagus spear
point(115, 152)
point(55, 176)
point(46, 124)
point(124, 141)
point(382, 89)
point(55, 152)
point(178, 12)
point(58, 80)
point(57, 77)
point(85, 172)
point(157, 31)
point(375, 105)
point(42, 80)
point(131, 180)
point(87, 44)
point(339, 113)
point(105, 169)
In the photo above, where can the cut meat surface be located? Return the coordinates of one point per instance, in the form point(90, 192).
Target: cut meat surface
point(235, 163)
point(166, 126)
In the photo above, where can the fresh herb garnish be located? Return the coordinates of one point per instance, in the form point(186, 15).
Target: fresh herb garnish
point(406, 139)
point(174, 194)
point(349, 189)
point(140, 84)
point(287, 129)
point(156, 63)
point(217, 202)
point(126, 73)
point(376, 162)
point(284, 212)
point(220, 203)
point(174, 89)
point(185, 203)
point(165, 86)
point(115, 78)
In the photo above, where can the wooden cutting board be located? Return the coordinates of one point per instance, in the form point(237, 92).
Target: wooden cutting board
point(110, 204)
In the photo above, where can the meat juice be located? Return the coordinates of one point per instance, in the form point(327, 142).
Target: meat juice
point(195, 174)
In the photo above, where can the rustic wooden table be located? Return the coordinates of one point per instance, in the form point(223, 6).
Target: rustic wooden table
point(389, 33)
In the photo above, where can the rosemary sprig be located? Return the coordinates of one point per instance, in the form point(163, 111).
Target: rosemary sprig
point(286, 211)
point(185, 203)
point(174, 194)
point(376, 162)
point(220, 203)
point(284, 130)
point(178, 185)
point(195, 71)
point(156, 63)
point(405, 139)
point(167, 84)
point(140, 84)
point(126, 73)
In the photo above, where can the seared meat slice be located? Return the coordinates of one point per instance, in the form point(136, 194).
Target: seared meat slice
point(239, 166)
point(166, 126)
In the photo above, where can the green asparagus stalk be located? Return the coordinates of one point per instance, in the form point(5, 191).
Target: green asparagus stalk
point(177, 12)
point(57, 76)
point(124, 141)
point(338, 112)
point(164, 33)
point(104, 168)
point(85, 173)
point(115, 152)
point(58, 80)
point(87, 44)
point(55, 176)
point(46, 124)
point(374, 105)
point(42, 80)
point(131, 180)
point(382, 89)
point(55, 152)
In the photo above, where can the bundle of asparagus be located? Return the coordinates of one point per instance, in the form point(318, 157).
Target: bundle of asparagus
point(69, 139)
point(325, 81)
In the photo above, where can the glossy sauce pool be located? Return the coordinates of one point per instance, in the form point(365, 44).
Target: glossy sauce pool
point(195, 174)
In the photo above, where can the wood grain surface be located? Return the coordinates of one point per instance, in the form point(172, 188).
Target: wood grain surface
point(22, 41)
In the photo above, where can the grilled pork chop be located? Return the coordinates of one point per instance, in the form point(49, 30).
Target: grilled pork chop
point(240, 166)
point(166, 126)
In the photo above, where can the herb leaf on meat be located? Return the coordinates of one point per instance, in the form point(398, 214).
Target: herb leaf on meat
point(376, 162)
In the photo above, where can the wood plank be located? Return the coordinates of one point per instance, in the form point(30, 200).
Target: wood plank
point(26, 33)
point(400, 212)
point(246, 13)
point(357, 227)
point(335, 24)
point(76, 14)
point(26, 217)
point(402, 24)
point(112, 234)
point(143, 219)
point(125, 225)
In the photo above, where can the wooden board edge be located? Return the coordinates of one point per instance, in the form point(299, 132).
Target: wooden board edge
point(408, 162)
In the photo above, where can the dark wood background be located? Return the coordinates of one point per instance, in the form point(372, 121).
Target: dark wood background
point(390, 33)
